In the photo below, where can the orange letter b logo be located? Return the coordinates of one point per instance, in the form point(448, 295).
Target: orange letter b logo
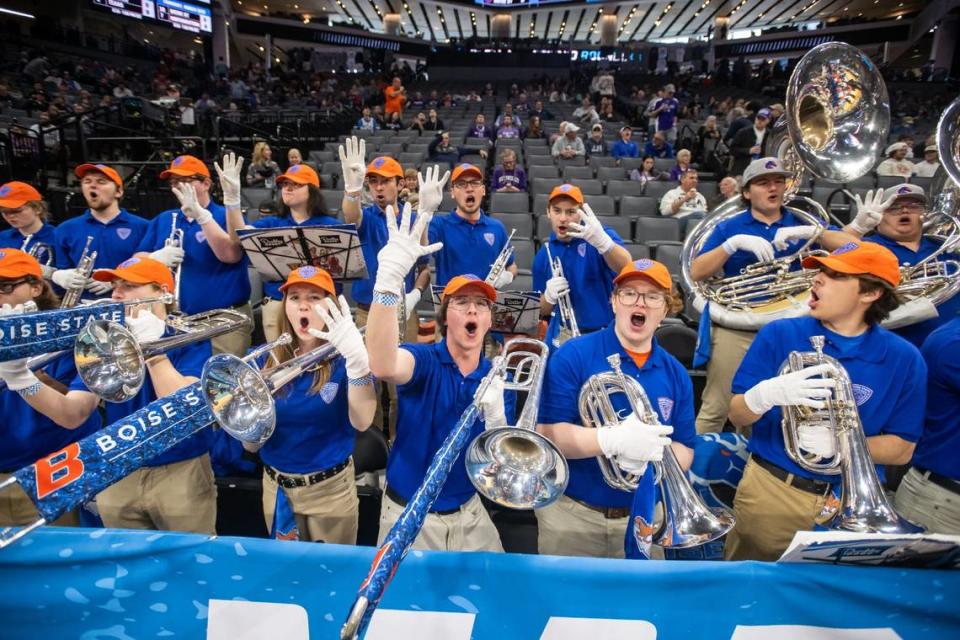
point(58, 470)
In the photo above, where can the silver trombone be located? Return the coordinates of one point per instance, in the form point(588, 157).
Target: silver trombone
point(568, 319)
point(85, 267)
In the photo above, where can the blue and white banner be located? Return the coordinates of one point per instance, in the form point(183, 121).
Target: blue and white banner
point(107, 584)
point(33, 334)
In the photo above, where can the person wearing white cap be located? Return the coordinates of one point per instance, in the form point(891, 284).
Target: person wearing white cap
point(927, 167)
point(569, 145)
point(595, 144)
point(896, 163)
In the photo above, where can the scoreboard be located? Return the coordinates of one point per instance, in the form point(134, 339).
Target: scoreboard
point(194, 16)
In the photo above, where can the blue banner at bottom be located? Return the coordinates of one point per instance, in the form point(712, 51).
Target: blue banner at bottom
point(108, 584)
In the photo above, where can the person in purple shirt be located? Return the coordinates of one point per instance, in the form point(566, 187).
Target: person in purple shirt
point(480, 128)
point(508, 130)
point(508, 176)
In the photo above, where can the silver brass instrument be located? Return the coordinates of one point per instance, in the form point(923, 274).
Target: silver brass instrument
point(501, 262)
point(515, 466)
point(175, 239)
point(864, 507)
point(686, 520)
point(85, 267)
point(568, 319)
point(36, 249)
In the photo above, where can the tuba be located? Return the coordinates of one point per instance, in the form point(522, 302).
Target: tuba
point(686, 520)
point(864, 507)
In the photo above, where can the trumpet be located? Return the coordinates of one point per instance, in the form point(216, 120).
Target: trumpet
point(84, 266)
point(175, 239)
point(568, 319)
point(501, 262)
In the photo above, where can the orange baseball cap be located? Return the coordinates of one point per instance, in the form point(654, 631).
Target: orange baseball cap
point(16, 264)
point(16, 194)
point(466, 167)
point(651, 270)
point(385, 167)
point(301, 174)
point(84, 169)
point(566, 191)
point(138, 271)
point(186, 166)
point(310, 275)
point(860, 258)
point(457, 283)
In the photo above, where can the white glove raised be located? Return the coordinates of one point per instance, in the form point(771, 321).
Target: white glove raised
point(556, 287)
point(98, 288)
point(635, 440)
point(590, 229)
point(491, 403)
point(431, 190)
point(411, 300)
point(69, 279)
point(402, 250)
point(189, 204)
point(754, 244)
point(169, 255)
point(870, 210)
point(786, 235)
point(799, 388)
point(352, 163)
point(503, 280)
point(145, 326)
point(817, 439)
point(16, 373)
point(230, 179)
point(340, 331)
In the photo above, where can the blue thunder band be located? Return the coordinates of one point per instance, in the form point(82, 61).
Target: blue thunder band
point(75, 474)
point(34, 334)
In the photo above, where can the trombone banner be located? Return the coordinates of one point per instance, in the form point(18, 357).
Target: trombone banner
point(100, 584)
point(33, 334)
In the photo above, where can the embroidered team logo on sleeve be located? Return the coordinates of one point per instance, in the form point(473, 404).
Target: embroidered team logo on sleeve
point(489, 237)
point(329, 391)
point(666, 408)
point(861, 394)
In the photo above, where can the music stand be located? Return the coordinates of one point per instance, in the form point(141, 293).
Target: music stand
point(277, 251)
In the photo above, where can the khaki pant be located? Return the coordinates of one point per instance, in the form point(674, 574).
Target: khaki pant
point(769, 512)
point(567, 528)
point(927, 503)
point(17, 510)
point(728, 349)
point(270, 313)
point(236, 342)
point(469, 529)
point(181, 496)
point(328, 511)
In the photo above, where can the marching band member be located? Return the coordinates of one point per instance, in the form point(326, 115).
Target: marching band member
point(208, 258)
point(591, 517)
point(896, 217)
point(25, 211)
point(929, 493)
point(308, 455)
point(28, 434)
point(115, 231)
point(591, 255)
point(852, 294)
point(764, 231)
point(175, 490)
point(435, 384)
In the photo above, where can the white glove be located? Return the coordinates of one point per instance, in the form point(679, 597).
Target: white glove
point(786, 235)
point(799, 388)
point(189, 204)
point(230, 179)
point(402, 250)
point(352, 155)
point(48, 271)
point(817, 439)
point(145, 326)
point(411, 300)
point(342, 333)
point(169, 255)
point(491, 403)
point(590, 229)
point(635, 440)
point(69, 279)
point(99, 288)
point(556, 287)
point(503, 280)
point(431, 190)
point(15, 372)
point(870, 210)
point(754, 244)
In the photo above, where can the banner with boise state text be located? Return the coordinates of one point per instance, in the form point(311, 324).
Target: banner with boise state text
point(33, 334)
point(109, 584)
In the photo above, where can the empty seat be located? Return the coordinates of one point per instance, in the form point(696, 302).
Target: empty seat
point(509, 203)
point(577, 173)
point(328, 180)
point(543, 171)
point(657, 188)
point(576, 161)
point(538, 151)
point(669, 255)
point(410, 158)
point(663, 164)
point(540, 204)
point(391, 149)
point(618, 188)
point(544, 185)
point(522, 222)
point(252, 197)
point(589, 187)
point(653, 229)
point(332, 167)
point(637, 250)
point(540, 160)
point(678, 340)
point(602, 161)
point(631, 163)
point(619, 224)
point(601, 205)
point(611, 173)
point(639, 206)
point(523, 251)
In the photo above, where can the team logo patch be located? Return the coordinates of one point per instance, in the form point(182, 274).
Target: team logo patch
point(200, 237)
point(471, 276)
point(465, 166)
point(771, 164)
point(3, 254)
point(4, 190)
point(379, 162)
point(861, 393)
point(329, 391)
point(489, 238)
point(307, 272)
point(129, 262)
point(666, 408)
point(582, 250)
point(903, 190)
point(643, 264)
point(846, 248)
point(100, 166)
point(123, 233)
point(294, 169)
point(565, 187)
point(178, 161)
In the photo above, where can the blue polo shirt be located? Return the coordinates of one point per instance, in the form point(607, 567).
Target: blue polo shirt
point(28, 435)
point(745, 223)
point(888, 375)
point(272, 288)
point(188, 360)
point(468, 247)
point(373, 237)
point(664, 379)
point(207, 283)
point(13, 239)
point(916, 333)
point(591, 281)
point(114, 241)
point(938, 447)
point(429, 406)
point(621, 149)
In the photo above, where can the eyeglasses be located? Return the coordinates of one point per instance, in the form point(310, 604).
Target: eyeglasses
point(462, 303)
point(908, 207)
point(651, 299)
point(465, 184)
point(6, 288)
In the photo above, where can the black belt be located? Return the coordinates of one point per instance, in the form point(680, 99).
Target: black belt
point(292, 482)
point(938, 479)
point(610, 513)
point(396, 497)
point(817, 487)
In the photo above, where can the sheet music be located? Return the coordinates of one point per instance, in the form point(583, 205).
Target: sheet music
point(277, 251)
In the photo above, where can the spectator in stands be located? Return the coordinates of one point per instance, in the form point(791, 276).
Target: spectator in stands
point(647, 173)
point(896, 163)
point(905, 127)
point(649, 112)
point(262, 171)
point(122, 91)
point(726, 189)
point(927, 167)
point(740, 118)
point(480, 128)
point(48, 132)
point(419, 123)
point(907, 139)
point(367, 122)
point(665, 110)
point(411, 188)
point(393, 122)
point(595, 144)
point(24, 210)
point(684, 199)
point(747, 144)
point(394, 98)
point(434, 123)
point(507, 111)
point(776, 110)
point(607, 114)
point(442, 150)
point(585, 113)
point(569, 145)
point(625, 147)
point(508, 176)
point(658, 147)
point(920, 148)
point(534, 130)
point(508, 129)
point(708, 136)
point(541, 112)
point(684, 164)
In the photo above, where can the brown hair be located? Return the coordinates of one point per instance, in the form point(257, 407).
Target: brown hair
point(285, 352)
point(442, 317)
point(880, 309)
point(43, 211)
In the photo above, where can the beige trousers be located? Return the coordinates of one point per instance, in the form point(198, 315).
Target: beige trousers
point(17, 510)
point(927, 503)
point(728, 349)
point(567, 528)
point(270, 313)
point(470, 529)
point(236, 342)
point(328, 511)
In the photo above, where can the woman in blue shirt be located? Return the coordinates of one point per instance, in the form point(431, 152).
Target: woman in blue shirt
point(25, 211)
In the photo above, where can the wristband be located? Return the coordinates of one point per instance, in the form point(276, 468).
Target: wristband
point(351, 198)
point(32, 390)
point(386, 298)
point(362, 381)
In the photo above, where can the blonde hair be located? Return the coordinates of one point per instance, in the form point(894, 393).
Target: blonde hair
point(41, 209)
point(258, 152)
